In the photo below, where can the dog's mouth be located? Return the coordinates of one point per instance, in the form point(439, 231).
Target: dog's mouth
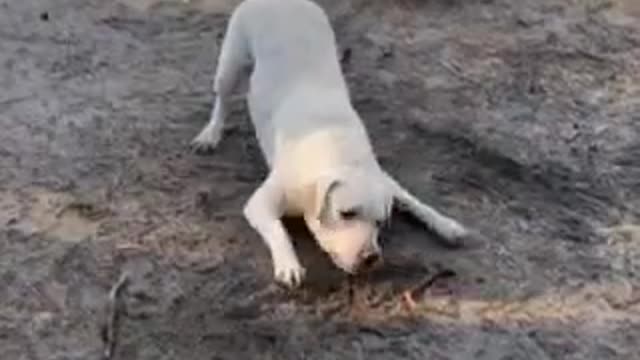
point(363, 268)
point(341, 265)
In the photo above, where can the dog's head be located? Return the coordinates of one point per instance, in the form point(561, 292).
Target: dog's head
point(349, 209)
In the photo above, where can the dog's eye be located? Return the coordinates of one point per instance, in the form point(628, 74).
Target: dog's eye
point(348, 214)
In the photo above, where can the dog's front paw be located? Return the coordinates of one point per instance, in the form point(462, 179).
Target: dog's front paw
point(206, 141)
point(289, 272)
point(454, 234)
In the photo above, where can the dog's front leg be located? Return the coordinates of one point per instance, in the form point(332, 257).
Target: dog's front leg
point(449, 230)
point(263, 212)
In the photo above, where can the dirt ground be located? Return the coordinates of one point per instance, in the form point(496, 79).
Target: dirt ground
point(522, 118)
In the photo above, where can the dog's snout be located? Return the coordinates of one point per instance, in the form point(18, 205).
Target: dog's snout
point(369, 261)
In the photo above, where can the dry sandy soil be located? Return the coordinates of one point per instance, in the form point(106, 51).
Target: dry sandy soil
point(522, 118)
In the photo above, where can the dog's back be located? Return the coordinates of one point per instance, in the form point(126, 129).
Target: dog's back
point(290, 39)
point(297, 84)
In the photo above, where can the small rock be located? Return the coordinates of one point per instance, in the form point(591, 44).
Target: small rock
point(42, 321)
point(387, 51)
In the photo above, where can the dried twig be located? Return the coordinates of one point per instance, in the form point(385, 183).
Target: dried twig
point(109, 329)
point(456, 70)
point(408, 295)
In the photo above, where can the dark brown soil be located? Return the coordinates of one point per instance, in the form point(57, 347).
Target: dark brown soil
point(521, 118)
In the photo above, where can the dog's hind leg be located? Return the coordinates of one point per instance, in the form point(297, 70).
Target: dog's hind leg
point(234, 58)
point(448, 229)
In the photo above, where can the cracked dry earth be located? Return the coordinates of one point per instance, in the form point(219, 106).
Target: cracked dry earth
point(520, 118)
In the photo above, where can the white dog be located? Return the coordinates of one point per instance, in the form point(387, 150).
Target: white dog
point(323, 167)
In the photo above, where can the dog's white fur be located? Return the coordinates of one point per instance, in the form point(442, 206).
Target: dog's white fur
point(323, 167)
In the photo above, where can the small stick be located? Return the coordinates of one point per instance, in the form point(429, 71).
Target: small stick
point(109, 329)
point(454, 69)
point(129, 246)
point(408, 295)
point(408, 299)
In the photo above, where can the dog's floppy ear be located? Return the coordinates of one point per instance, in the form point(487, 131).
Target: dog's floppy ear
point(324, 187)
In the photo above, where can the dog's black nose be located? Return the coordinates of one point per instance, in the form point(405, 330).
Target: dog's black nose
point(370, 261)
